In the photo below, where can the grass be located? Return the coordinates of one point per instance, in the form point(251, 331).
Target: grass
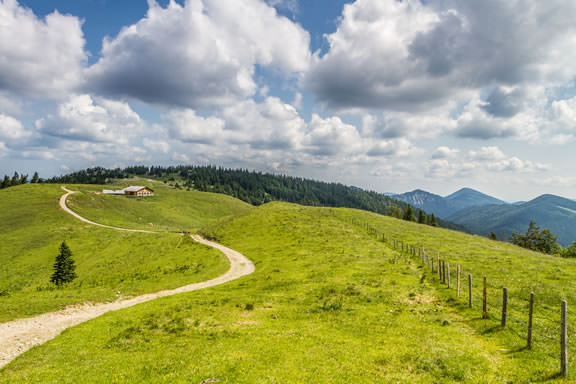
point(327, 304)
point(110, 264)
point(169, 210)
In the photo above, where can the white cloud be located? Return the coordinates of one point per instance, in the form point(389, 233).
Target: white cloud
point(487, 154)
point(39, 58)
point(11, 130)
point(156, 145)
point(202, 54)
point(412, 55)
point(444, 152)
point(83, 118)
point(185, 125)
point(331, 136)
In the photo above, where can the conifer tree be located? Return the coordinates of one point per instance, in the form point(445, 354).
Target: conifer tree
point(15, 179)
point(35, 178)
point(421, 217)
point(5, 182)
point(409, 214)
point(432, 220)
point(64, 267)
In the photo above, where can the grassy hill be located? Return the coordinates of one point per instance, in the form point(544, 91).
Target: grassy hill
point(170, 209)
point(109, 263)
point(553, 212)
point(328, 303)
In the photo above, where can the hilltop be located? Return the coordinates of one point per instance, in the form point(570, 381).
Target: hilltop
point(255, 188)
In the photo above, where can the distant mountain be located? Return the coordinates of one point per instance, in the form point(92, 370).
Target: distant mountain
point(426, 201)
point(446, 206)
point(548, 211)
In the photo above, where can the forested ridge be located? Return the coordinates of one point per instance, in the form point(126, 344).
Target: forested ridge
point(258, 188)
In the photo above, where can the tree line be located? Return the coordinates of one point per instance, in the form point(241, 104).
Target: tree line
point(18, 179)
point(258, 188)
point(540, 240)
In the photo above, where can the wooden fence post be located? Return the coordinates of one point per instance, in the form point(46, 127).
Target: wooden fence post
point(448, 273)
point(443, 272)
point(432, 264)
point(530, 314)
point(458, 281)
point(438, 260)
point(504, 305)
point(470, 290)
point(564, 340)
point(484, 310)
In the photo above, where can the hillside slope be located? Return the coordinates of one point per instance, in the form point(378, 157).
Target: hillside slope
point(327, 303)
point(255, 188)
point(548, 211)
point(109, 264)
point(170, 209)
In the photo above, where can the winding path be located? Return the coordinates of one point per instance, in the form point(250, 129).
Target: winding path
point(18, 336)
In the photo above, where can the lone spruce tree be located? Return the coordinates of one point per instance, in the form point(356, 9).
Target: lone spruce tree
point(64, 268)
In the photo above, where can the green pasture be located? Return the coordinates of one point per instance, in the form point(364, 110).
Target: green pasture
point(328, 303)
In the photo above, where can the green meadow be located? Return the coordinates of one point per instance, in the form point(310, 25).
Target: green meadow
point(110, 264)
point(170, 209)
point(328, 303)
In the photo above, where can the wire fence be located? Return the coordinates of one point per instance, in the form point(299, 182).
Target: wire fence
point(534, 319)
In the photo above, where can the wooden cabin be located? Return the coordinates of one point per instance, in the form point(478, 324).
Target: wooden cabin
point(134, 191)
point(138, 191)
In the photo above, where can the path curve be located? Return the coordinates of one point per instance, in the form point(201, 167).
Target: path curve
point(18, 336)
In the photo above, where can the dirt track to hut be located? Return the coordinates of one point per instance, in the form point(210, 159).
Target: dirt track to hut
point(18, 336)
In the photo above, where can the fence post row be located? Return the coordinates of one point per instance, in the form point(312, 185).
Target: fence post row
point(443, 270)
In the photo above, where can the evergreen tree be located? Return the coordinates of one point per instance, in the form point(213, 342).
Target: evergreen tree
point(432, 220)
point(421, 217)
point(409, 214)
point(5, 182)
point(15, 179)
point(35, 178)
point(64, 268)
point(492, 236)
point(570, 251)
point(23, 179)
point(537, 240)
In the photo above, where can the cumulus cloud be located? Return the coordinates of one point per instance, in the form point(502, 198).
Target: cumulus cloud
point(445, 153)
point(484, 159)
point(200, 54)
point(11, 130)
point(39, 57)
point(83, 118)
point(413, 55)
point(331, 136)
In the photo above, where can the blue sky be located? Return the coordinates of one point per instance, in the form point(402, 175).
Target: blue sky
point(382, 94)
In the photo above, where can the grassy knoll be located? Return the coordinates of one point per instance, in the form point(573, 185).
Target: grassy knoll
point(169, 210)
point(327, 304)
point(109, 263)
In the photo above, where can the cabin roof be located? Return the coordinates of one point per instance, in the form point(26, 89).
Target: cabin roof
point(136, 188)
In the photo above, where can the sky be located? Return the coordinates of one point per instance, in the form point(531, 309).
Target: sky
point(387, 95)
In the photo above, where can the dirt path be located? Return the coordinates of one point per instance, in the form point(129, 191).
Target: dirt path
point(18, 336)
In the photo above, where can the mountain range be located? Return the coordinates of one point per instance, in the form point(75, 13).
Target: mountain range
point(482, 214)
